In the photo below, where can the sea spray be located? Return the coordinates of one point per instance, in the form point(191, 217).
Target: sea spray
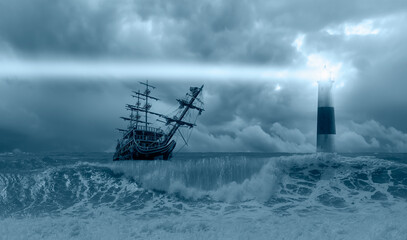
point(204, 196)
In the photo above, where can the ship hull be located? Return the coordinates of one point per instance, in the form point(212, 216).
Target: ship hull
point(136, 152)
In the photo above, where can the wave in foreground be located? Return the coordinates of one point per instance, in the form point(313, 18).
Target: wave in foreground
point(203, 196)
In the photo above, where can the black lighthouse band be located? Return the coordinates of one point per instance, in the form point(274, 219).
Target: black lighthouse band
point(326, 120)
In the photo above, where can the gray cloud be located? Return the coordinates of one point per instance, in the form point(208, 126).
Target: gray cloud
point(236, 31)
point(253, 138)
point(44, 27)
point(223, 31)
point(240, 115)
point(371, 136)
point(58, 116)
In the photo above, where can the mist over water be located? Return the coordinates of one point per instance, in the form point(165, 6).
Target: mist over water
point(203, 196)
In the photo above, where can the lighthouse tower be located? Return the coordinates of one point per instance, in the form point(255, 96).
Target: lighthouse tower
point(326, 129)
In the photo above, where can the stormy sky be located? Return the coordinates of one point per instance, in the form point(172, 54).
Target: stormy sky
point(67, 69)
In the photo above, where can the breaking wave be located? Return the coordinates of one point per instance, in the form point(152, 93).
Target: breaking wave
point(86, 196)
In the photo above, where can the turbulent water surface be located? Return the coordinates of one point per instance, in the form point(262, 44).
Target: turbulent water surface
point(203, 196)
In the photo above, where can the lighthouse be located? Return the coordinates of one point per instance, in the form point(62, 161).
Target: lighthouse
point(326, 129)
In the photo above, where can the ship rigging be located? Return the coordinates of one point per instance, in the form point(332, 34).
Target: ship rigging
point(141, 140)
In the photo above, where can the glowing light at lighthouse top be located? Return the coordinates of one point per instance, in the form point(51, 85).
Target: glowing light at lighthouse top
point(326, 75)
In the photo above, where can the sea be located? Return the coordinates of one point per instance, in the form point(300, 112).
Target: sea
point(203, 196)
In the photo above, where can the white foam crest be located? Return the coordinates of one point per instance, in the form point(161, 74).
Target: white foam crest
point(258, 184)
point(44, 188)
point(3, 185)
point(258, 187)
point(188, 179)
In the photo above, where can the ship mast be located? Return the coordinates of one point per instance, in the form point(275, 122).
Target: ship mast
point(185, 104)
point(137, 111)
point(136, 118)
point(146, 108)
point(147, 95)
point(195, 91)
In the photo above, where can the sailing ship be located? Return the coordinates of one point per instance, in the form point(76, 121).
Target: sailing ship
point(141, 140)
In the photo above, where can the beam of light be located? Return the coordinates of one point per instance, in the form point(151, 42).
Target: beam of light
point(80, 69)
point(323, 68)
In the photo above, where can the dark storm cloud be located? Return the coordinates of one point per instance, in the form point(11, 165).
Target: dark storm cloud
point(43, 27)
point(240, 115)
point(59, 116)
point(234, 31)
point(154, 29)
